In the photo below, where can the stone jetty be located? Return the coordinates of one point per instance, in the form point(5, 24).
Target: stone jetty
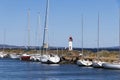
point(70, 57)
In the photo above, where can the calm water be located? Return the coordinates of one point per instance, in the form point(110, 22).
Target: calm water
point(19, 70)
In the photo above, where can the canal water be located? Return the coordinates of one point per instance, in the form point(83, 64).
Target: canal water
point(21, 70)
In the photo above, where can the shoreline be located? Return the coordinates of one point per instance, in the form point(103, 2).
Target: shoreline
point(70, 57)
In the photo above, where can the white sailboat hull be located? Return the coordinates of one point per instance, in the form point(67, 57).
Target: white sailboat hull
point(2, 55)
point(35, 57)
point(84, 63)
point(54, 59)
point(44, 58)
point(14, 56)
point(97, 64)
point(111, 65)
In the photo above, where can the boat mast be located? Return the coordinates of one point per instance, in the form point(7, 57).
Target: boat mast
point(38, 31)
point(119, 34)
point(82, 33)
point(98, 35)
point(4, 35)
point(28, 28)
point(45, 35)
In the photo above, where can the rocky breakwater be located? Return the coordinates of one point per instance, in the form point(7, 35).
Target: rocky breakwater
point(69, 58)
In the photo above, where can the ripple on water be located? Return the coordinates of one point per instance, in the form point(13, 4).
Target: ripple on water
point(20, 70)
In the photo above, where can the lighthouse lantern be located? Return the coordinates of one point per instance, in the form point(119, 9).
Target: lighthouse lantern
point(70, 43)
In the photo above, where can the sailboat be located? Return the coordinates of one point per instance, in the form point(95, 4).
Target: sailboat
point(36, 56)
point(97, 63)
point(25, 56)
point(83, 62)
point(53, 59)
point(114, 65)
point(48, 58)
point(2, 53)
point(14, 56)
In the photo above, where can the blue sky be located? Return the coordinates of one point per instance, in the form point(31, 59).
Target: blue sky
point(64, 21)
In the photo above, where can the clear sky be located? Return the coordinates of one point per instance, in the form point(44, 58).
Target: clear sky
point(64, 21)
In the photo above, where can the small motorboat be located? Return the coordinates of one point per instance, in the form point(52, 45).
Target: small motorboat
point(25, 57)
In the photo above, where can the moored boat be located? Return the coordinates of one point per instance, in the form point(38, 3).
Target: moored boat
point(44, 58)
point(83, 62)
point(14, 56)
point(111, 65)
point(97, 64)
point(50, 59)
point(35, 57)
point(2, 54)
point(114, 65)
point(25, 57)
point(54, 59)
